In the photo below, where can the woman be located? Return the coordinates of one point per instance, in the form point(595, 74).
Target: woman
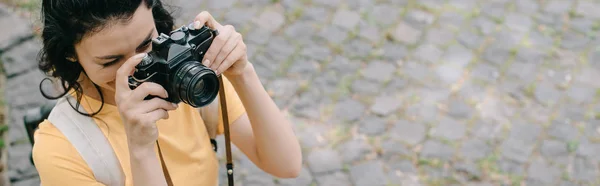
point(92, 46)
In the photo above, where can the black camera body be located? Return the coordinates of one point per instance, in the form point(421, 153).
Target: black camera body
point(175, 64)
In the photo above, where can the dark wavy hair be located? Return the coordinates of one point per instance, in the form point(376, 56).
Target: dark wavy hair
point(65, 23)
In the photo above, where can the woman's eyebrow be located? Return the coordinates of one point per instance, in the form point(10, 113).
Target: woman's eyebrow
point(142, 44)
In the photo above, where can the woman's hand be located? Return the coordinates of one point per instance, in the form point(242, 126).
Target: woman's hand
point(139, 115)
point(227, 53)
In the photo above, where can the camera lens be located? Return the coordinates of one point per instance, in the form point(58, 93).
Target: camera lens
point(195, 84)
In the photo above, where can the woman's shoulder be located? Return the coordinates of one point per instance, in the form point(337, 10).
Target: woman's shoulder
point(49, 140)
point(54, 156)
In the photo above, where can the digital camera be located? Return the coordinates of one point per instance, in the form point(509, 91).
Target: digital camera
point(175, 64)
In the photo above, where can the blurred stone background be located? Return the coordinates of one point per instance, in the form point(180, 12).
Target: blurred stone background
point(394, 92)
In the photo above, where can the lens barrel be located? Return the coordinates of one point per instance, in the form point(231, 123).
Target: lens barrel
point(195, 84)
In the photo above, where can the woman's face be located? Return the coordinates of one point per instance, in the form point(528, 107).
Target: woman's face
point(102, 53)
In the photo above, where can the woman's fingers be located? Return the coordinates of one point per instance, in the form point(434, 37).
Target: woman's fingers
point(156, 103)
point(226, 50)
point(204, 18)
point(146, 89)
point(238, 52)
point(156, 115)
point(122, 79)
point(216, 45)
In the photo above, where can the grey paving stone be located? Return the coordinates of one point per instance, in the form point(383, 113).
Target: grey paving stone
point(582, 24)
point(419, 19)
point(541, 171)
point(448, 129)
point(464, 5)
point(21, 58)
point(325, 160)
point(319, 53)
point(518, 22)
point(370, 32)
point(396, 84)
point(588, 150)
point(555, 151)
point(356, 48)
point(333, 34)
point(439, 36)
point(354, 150)
point(280, 49)
point(531, 55)
point(17, 30)
point(343, 65)
point(385, 105)
point(20, 96)
point(431, 4)
point(257, 36)
point(460, 109)
point(366, 87)
point(212, 4)
point(563, 131)
point(418, 72)
point(549, 20)
point(270, 20)
point(574, 41)
point(469, 39)
point(588, 9)
point(580, 93)
point(368, 173)
point(527, 6)
point(360, 5)
point(385, 14)
point(475, 149)
point(406, 33)
point(393, 149)
point(522, 71)
point(349, 110)
point(547, 94)
point(486, 130)
point(511, 167)
point(485, 72)
point(313, 136)
point(315, 14)
point(438, 173)
point(470, 168)
point(346, 19)
point(428, 53)
point(506, 40)
point(496, 54)
point(584, 170)
point(540, 40)
point(304, 179)
point(300, 30)
point(330, 3)
point(35, 181)
point(484, 25)
point(436, 149)
point(337, 178)
point(516, 150)
point(557, 7)
point(525, 132)
point(408, 132)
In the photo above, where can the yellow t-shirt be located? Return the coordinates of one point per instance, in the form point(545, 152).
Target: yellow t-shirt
point(183, 139)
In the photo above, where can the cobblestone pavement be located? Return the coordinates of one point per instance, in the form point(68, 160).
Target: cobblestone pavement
point(404, 92)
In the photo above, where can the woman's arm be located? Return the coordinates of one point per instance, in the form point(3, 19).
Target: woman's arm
point(264, 134)
point(145, 167)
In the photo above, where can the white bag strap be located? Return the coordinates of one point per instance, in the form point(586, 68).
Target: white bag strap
point(89, 141)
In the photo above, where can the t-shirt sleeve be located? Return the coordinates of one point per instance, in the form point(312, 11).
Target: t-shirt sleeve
point(57, 161)
point(235, 108)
